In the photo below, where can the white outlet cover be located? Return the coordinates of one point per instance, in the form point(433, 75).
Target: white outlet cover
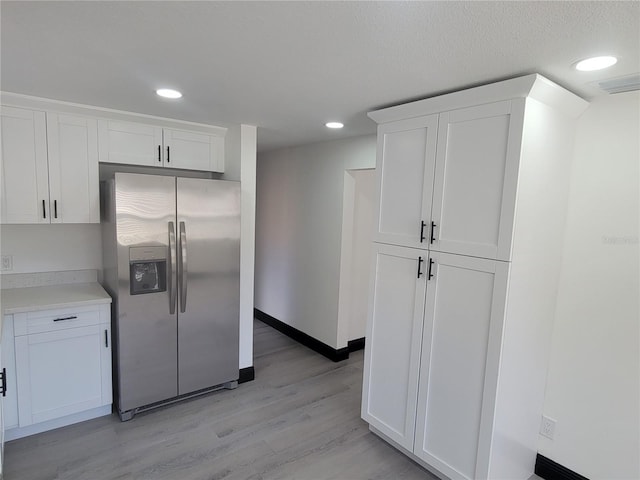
point(7, 263)
point(548, 427)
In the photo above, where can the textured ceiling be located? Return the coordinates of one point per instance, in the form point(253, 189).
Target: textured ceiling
point(289, 67)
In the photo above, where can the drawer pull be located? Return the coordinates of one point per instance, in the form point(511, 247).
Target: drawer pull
point(64, 318)
point(3, 386)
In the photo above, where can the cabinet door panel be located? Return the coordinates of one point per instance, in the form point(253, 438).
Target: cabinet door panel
point(130, 143)
point(73, 169)
point(476, 177)
point(392, 351)
point(459, 363)
point(193, 151)
point(23, 163)
point(405, 169)
point(10, 401)
point(60, 373)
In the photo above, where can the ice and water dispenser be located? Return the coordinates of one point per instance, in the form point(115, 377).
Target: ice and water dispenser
point(147, 270)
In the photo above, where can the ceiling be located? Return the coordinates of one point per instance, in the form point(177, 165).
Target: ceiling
point(289, 67)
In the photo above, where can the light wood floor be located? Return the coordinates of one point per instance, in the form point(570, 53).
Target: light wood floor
point(299, 419)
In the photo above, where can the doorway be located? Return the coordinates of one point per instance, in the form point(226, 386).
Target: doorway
point(355, 256)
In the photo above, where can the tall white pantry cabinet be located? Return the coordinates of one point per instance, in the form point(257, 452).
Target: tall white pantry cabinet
point(472, 193)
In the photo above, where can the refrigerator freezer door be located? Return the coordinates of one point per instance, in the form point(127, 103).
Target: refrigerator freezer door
point(209, 227)
point(146, 331)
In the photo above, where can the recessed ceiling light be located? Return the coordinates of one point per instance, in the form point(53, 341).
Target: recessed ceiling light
point(334, 125)
point(596, 63)
point(168, 93)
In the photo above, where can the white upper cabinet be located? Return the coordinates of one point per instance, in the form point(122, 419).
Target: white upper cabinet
point(476, 177)
point(23, 160)
point(460, 199)
point(130, 143)
point(138, 144)
point(73, 169)
point(49, 168)
point(405, 165)
point(193, 151)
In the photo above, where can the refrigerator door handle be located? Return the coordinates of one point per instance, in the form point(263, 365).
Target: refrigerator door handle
point(173, 286)
point(182, 268)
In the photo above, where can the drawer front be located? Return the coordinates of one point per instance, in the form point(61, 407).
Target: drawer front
point(54, 320)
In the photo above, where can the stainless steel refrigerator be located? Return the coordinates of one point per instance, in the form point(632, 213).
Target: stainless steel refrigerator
point(172, 265)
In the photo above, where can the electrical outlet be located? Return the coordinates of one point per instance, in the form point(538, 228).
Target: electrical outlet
point(7, 263)
point(548, 427)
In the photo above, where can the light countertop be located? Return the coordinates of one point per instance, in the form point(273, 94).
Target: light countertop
point(29, 299)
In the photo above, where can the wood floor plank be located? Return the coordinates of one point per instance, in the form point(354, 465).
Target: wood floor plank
point(299, 419)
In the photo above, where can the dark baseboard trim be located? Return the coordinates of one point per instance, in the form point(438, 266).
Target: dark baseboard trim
point(550, 470)
point(246, 375)
point(355, 345)
point(336, 355)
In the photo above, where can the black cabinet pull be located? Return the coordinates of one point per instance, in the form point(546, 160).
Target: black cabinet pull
point(430, 275)
point(3, 387)
point(420, 260)
point(431, 237)
point(55, 208)
point(422, 225)
point(106, 339)
point(44, 210)
point(64, 318)
point(160, 153)
point(168, 157)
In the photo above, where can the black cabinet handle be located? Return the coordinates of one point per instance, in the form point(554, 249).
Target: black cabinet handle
point(106, 339)
point(422, 225)
point(64, 318)
point(44, 210)
point(430, 275)
point(3, 387)
point(168, 157)
point(160, 153)
point(431, 237)
point(420, 260)
point(55, 208)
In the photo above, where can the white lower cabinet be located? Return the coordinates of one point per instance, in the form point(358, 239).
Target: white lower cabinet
point(58, 368)
point(394, 334)
point(431, 367)
point(461, 342)
point(1, 416)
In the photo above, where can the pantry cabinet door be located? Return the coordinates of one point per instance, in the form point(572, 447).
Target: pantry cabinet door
point(476, 179)
point(193, 151)
point(73, 169)
point(405, 163)
point(461, 343)
point(24, 181)
point(392, 349)
point(130, 143)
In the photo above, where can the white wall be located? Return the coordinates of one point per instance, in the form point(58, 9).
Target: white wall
point(355, 256)
point(240, 145)
point(298, 232)
point(593, 384)
point(47, 248)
